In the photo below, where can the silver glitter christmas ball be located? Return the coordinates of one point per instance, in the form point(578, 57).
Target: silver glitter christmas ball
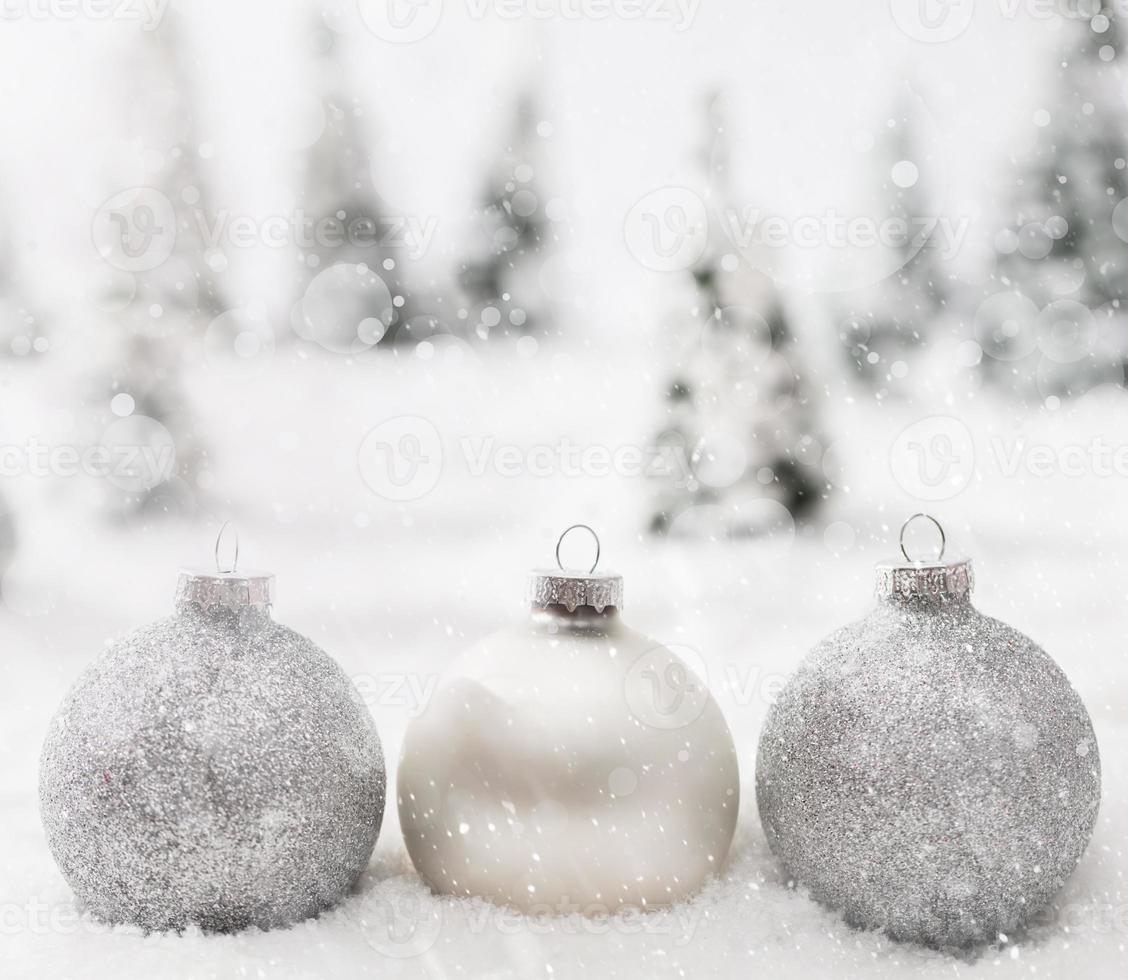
point(213, 768)
point(929, 770)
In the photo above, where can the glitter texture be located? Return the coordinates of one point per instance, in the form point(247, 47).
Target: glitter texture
point(930, 772)
point(213, 768)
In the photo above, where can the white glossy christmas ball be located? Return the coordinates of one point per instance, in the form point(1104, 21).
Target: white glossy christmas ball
point(569, 763)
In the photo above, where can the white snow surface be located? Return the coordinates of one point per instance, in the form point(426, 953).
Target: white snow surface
point(394, 591)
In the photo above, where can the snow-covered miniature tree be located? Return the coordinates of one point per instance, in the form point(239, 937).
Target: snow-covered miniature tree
point(882, 323)
point(1063, 237)
point(339, 195)
point(500, 278)
point(740, 425)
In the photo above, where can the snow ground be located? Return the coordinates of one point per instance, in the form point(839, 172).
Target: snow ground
point(394, 591)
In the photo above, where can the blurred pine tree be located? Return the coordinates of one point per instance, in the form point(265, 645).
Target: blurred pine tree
point(741, 426)
point(1063, 247)
point(347, 225)
point(501, 276)
point(162, 310)
point(22, 332)
point(888, 321)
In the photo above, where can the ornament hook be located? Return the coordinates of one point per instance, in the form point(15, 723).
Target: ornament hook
point(219, 541)
point(565, 533)
point(939, 527)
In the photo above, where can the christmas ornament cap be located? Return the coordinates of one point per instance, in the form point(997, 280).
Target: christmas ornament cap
point(571, 589)
point(225, 586)
point(913, 578)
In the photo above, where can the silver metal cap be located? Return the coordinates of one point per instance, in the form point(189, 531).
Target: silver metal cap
point(230, 590)
point(913, 578)
point(942, 579)
point(574, 589)
point(225, 586)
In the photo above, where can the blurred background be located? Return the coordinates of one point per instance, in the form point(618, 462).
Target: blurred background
point(469, 272)
point(404, 287)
